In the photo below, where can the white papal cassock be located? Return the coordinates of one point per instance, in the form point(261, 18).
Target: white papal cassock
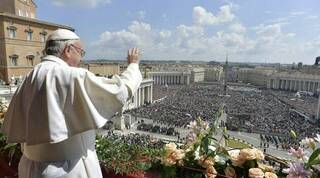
point(54, 113)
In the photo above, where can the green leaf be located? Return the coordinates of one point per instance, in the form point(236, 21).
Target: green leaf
point(314, 155)
point(293, 134)
point(206, 145)
point(314, 162)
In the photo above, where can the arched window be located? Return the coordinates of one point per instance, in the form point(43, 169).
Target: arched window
point(43, 35)
point(12, 31)
point(14, 59)
point(29, 32)
point(30, 59)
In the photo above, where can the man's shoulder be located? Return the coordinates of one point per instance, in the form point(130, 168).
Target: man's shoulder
point(54, 70)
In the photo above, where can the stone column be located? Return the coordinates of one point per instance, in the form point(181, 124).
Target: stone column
point(300, 85)
point(280, 84)
point(312, 87)
point(286, 84)
point(318, 109)
point(143, 95)
point(290, 85)
point(293, 85)
point(151, 92)
point(188, 79)
point(175, 80)
point(148, 93)
point(135, 99)
point(138, 97)
point(304, 85)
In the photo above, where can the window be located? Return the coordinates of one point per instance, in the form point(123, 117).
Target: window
point(29, 32)
point(29, 36)
point(14, 59)
point(43, 36)
point(30, 59)
point(12, 33)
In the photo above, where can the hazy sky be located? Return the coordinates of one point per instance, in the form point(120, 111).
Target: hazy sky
point(284, 31)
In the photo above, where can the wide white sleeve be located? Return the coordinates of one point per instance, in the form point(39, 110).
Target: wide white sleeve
point(108, 96)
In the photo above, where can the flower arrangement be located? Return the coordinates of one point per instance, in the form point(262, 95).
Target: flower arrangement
point(10, 155)
point(124, 158)
point(203, 155)
point(304, 166)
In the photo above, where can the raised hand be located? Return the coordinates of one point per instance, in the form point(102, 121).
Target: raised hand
point(133, 55)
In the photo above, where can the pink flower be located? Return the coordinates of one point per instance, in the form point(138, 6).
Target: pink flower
point(193, 125)
point(191, 137)
point(298, 153)
point(297, 170)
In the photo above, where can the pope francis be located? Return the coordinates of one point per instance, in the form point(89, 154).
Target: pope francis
point(55, 111)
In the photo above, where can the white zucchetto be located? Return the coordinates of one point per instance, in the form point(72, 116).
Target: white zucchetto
point(63, 34)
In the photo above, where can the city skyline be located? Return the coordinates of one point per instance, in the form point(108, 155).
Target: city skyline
point(251, 31)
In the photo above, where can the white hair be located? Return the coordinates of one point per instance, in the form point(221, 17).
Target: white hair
point(56, 47)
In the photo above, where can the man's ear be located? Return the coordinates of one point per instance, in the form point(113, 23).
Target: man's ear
point(67, 51)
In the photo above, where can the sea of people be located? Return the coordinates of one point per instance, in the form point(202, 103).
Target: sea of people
point(260, 111)
point(135, 139)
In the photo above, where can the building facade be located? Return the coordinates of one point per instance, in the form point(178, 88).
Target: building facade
point(170, 78)
point(102, 69)
point(213, 74)
point(143, 95)
point(22, 38)
point(294, 82)
point(197, 75)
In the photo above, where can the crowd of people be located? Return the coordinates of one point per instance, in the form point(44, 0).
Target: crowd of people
point(179, 107)
point(158, 129)
point(135, 139)
point(260, 111)
point(280, 142)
